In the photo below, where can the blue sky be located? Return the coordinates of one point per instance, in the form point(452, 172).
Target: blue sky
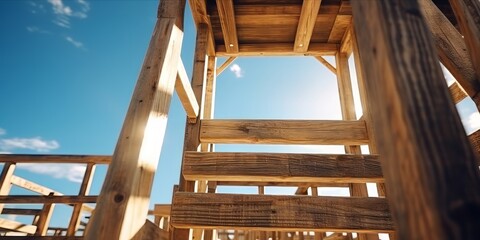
point(68, 69)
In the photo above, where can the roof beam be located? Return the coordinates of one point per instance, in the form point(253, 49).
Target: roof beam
point(36, 158)
point(226, 14)
point(278, 49)
point(308, 16)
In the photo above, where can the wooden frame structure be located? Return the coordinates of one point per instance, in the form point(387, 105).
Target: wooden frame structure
point(425, 167)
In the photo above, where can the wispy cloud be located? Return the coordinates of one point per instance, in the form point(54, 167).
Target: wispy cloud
point(37, 7)
point(36, 144)
point(71, 172)
point(34, 29)
point(2, 131)
point(74, 42)
point(237, 70)
point(64, 13)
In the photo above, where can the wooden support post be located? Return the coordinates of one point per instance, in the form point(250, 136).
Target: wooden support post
point(6, 180)
point(467, 13)
point(84, 190)
point(44, 218)
point(192, 130)
point(125, 195)
point(435, 191)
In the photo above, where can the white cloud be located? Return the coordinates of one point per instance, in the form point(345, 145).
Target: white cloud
point(74, 42)
point(237, 70)
point(472, 122)
point(36, 144)
point(3, 131)
point(34, 29)
point(64, 13)
point(71, 172)
point(5, 153)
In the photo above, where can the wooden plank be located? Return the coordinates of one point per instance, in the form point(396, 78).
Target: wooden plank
point(278, 49)
point(467, 13)
point(125, 194)
point(282, 184)
point(282, 167)
point(44, 237)
point(44, 219)
point(457, 92)
point(326, 64)
point(346, 44)
point(84, 190)
point(185, 93)
point(37, 158)
point(34, 187)
point(413, 117)
point(35, 199)
point(225, 65)
point(451, 48)
point(229, 27)
point(160, 210)
point(200, 16)
point(17, 226)
point(21, 211)
point(151, 231)
point(6, 180)
point(339, 29)
point(284, 131)
point(306, 23)
point(268, 212)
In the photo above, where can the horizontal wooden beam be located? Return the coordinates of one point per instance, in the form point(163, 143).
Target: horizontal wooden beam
point(282, 167)
point(160, 210)
point(282, 213)
point(35, 199)
point(324, 132)
point(280, 184)
point(185, 93)
point(21, 211)
point(278, 49)
point(34, 187)
point(36, 158)
point(17, 226)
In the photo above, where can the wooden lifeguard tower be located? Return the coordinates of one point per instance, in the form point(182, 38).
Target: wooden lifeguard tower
point(425, 167)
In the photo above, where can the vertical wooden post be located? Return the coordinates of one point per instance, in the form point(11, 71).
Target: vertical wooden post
point(430, 169)
point(44, 218)
point(467, 13)
point(125, 195)
point(6, 180)
point(192, 130)
point(84, 189)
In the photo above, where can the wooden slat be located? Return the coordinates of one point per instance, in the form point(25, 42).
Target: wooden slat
point(227, 21)
point(416, 121)
point(34, 187)
point(457, 92)
point(306, 23)
point(185, 93)
point(282, 167)
point(326, 64)
point(21, 211)
point(324, 132)
point(84, 190)
point(267, 212)
point(125, 194)
point(17, 226)
point(225, 65)
point(160, 210)
point(280, 184)
point(36, 158)
point(34, 199)
point(451, 48)
point(278, 49)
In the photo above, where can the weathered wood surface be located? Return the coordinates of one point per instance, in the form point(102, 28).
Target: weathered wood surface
point(84, 190)
point(226, 15)
point(34, 187)
point(284, 132)
point(21, 211)
point(277, 49)
point(37, 158)
point(201, 17)
point(65, 199)
point(451, 48)
point(17, 226)
point(185, 93)
point(267, 212)
point(306, 23)
point(457, 92)
point(281, 167)
point(435, 188)
point(125, 194)
point(151, 231)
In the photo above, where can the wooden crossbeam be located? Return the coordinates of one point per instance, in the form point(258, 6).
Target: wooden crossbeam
point(34, 187)
point(282, 167)
point(306, 23)
point(160, 210)
point(34, 199)
point(225, 65)
point(326, 64)
point(34, 158)
point(282, 213)
point(185, 93)
point(226, 14)
point(278, 49)
point(324, 132)
point(280, 184)
point(17, 226)
point(21, 211)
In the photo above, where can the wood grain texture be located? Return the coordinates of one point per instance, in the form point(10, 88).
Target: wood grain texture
point(17, 226)
point(32, 199)
point(84, 190)
point(185, 93)
point(306, 23)
point(278, 49)
point(324, 132)
point(125, 194)
point(451, 47)
point(226, 14)
point(281, 167)
point(200, 16)
point(31, 186)
point(151, 231)
point(457, 92)
point(267, 212)
point(37, 158)
point(434, 191)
